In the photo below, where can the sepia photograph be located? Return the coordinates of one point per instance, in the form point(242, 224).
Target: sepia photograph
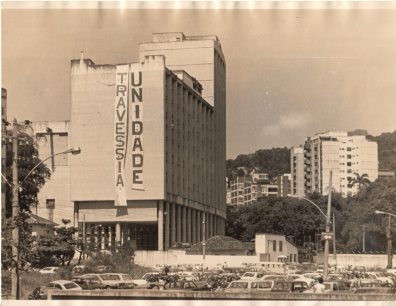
point(198, 151)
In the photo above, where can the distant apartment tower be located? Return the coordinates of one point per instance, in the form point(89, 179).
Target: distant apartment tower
point(297, 166)
point(340, 153)
point(283, 182)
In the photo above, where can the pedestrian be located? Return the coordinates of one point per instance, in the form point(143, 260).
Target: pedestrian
point(166, 270)
point(225, 265)
point(319, 287)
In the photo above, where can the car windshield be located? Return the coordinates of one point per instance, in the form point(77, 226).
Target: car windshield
point(126, 277)
point(70, 286)
point(242, 285)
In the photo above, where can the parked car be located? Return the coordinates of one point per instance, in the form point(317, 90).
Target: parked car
point(144, 279)
point(49, 270)
point(383, 277)
point(375, 287)
point(331, 287)
point(93, 282)
point(103, 269)
point(290, 286)
point(122, 281)
point(40, 293)
point(276, 277)
point(252, 275)
point(188, 275)
point(293, 269)
point(178, 285)
point(247, 285)
point(362, 282)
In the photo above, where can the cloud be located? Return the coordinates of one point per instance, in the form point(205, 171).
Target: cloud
point(287, 123)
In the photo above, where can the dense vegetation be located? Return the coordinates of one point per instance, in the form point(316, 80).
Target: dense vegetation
point(302, 220)
point(386, 150)
point(272, 161)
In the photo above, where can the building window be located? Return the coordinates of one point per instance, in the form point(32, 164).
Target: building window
point(280, 246)
point(50, 203)
point(349, 156)
point(349, 164)
point(349, 149)
point(274, 245)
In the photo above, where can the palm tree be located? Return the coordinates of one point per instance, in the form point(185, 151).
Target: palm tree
point(360, 180)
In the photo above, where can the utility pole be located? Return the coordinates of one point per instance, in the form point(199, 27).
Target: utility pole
point(84, 237)
point(364, 238)
point(203, 242)
point(389, 236)
point(334, 241)
point(15, 290)
point(326, 254)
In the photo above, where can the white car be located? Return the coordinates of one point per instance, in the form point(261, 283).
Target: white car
point(252, 276)
point(144, 278)
point(243, 285)
point(49, 270)
point(62, 285)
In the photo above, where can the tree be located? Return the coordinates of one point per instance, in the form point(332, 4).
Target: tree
point(28, 157)
point(56, 246)
point(28, 187)
point(360, 180)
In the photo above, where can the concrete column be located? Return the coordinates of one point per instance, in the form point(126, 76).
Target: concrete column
point(118, 234)
point(193, 226)
point(184, 223)
point(173, 223)
point(199, 226)
point(96, 238)
point(167, 226)
point(178, 223)
point(102, 238)
point(188, 224)
point(160, 226)
point(110, 236)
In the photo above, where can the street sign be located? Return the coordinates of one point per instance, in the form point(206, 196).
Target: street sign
point(326, 236)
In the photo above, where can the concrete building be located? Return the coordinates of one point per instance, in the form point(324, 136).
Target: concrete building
point(283, 183)
point(247, 189)
point(340, 153)
point(270, 246)
point(152, 135)
point(297, 171)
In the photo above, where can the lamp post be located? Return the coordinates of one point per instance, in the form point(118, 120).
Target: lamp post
point(389, 237)
point(203, 243)
point(328, 222)
point(15, 281)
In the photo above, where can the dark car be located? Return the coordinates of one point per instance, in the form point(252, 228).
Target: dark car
point(178, 285)
point(88, 282)
point(290, 286)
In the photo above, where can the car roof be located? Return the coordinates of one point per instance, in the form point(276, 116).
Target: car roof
point(60, 281)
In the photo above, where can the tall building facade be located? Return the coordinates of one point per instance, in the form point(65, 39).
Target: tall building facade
point(152, 137)
point(297, 167)
point(340, 153)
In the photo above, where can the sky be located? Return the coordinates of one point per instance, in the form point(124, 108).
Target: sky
point(291, 72)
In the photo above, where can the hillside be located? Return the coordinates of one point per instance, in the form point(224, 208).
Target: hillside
point(386, 150)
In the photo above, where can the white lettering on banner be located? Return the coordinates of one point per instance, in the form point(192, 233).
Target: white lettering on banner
point(121, 132)
point(137, 129)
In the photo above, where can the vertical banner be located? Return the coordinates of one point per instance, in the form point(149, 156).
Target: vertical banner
point(137, 127)
point(121, 132)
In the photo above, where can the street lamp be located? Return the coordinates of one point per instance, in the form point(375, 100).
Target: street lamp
point(389, 236)
point(15, 281)
point(328, 222)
